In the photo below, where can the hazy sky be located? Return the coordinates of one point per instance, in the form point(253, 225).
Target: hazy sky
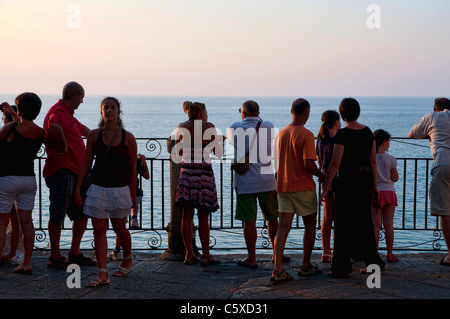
point(226, 47)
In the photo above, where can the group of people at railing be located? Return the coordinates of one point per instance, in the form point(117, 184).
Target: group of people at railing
point(354, 168)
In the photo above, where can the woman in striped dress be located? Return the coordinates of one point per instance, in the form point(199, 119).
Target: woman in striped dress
point(195, 140)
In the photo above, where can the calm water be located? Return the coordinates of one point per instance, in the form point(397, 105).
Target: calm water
point(156, 117)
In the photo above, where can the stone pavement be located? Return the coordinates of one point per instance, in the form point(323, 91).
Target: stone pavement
point(415, 276)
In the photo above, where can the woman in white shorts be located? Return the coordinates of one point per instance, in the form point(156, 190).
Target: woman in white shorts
point(109, 196)
point(19, 144)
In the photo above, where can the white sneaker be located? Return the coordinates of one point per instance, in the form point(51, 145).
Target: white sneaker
point(115, 255)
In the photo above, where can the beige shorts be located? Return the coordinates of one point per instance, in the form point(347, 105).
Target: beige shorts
point(301, 203)
point(439, 191)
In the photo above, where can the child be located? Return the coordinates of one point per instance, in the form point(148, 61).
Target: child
point(384, 208)
point(324, 149)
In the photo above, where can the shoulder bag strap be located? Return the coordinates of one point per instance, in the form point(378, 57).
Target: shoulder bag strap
point(109, 146)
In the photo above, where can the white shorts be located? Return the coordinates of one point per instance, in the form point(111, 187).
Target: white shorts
point(103, 202)
point(21, 189)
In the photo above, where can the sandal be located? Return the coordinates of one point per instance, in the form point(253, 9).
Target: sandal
point(281, 276)
point(80, 260)
point(326, 258)
point(392, 258)
point(243, 263)
point(309, 270)
point(58, 263)
point(122, 271)
point(97, 282)
point(22, 271)
point(210, 260)
point(191, 261)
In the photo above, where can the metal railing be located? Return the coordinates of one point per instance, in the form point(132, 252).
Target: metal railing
point(414, 227)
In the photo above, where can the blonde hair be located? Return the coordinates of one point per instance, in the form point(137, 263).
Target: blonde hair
point(193, 109)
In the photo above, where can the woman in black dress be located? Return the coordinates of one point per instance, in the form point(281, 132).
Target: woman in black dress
point(354, 162)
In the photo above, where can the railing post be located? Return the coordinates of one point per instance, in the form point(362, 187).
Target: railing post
point(175, 249)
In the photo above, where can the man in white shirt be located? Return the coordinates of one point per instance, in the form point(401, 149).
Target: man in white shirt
point(258, 183)
point(436, 127)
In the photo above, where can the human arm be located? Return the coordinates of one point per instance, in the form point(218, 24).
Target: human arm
point(394, 172)
point(8, 110)
point(130, 143)
point(420, 130)
point(373, 165)
point(333, 168)
point(142, 158)
point(85, 166)
point(311, 167)
point(55, 136)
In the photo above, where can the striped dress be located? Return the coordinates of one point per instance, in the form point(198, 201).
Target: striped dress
point(197, 186)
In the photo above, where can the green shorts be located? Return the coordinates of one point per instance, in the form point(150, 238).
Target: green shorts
point(301, 203)
point(246, 207)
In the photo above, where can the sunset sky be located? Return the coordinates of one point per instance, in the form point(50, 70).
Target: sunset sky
point(226, 47)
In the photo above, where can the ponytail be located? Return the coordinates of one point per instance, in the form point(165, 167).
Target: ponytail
point(328, 119)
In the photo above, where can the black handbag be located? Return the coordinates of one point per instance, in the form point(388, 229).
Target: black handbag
point(242, 165)
point(87, 181)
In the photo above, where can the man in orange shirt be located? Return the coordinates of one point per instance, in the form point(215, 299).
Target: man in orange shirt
point(296, 190)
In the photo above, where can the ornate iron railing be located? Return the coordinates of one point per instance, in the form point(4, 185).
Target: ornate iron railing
point(412, 224)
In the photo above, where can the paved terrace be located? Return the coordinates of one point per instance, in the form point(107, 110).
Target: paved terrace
point(415, 276)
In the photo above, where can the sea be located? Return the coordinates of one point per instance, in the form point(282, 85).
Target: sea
point(156, 117)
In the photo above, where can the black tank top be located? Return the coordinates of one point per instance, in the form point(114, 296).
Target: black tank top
point(17, 156)
point(114, 169)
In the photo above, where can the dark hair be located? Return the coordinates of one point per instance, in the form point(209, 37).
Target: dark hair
point(8, 116)
point(299, 106)
point(349, 109)
point(328, 119)
point(28, 105)
point(251, 107)
point(119, 120)
point(381, 136)
point(442, 103)
point(193, 109)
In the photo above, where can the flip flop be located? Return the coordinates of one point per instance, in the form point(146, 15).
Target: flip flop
point(210, 260)
point(20, 270)
point(243, 263)
point(443, 263)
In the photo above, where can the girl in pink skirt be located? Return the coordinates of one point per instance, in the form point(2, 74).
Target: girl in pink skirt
point(384, 208)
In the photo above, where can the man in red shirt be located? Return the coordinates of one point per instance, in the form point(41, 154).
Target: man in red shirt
point(65, 152)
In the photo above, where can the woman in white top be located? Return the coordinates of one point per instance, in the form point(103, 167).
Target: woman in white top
point(384, 208)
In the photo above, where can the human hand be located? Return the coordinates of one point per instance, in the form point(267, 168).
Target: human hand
point(78, 199)
point(62, 149)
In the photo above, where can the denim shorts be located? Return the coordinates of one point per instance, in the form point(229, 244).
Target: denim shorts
point(62, 185)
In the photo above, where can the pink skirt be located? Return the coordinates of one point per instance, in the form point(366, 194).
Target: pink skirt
point(386, 198)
